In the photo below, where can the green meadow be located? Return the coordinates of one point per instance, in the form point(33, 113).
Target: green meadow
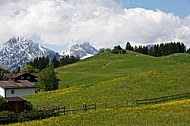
point(114, 82)
point(175, 113)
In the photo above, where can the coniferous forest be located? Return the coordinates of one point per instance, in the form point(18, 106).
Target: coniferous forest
point(41, 62)
point(158, 50)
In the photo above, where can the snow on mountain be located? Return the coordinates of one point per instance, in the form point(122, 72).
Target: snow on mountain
point(82, 51)
point(18, 51)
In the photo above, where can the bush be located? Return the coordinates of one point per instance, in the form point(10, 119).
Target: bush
point(3, 104)
point(7, 117)
point(118, 50)
point(28, 106)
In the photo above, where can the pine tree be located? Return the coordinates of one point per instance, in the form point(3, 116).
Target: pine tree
point(129, 47)
point(55, 62)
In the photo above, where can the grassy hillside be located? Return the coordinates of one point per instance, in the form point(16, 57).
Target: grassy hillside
point(171, 114)
point(107, 66)
point(114, 82)
point(118, 79)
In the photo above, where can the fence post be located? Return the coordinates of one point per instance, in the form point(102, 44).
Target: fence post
point(64, 110)
point(95, 106)
point(58, 110)
point(71, 111)
point(106, 106)
point(84, 107)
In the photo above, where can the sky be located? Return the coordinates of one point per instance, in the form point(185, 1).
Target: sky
point(59, 24)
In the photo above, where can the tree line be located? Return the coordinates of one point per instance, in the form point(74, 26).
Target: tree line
point(158, 50)
point(40, 63)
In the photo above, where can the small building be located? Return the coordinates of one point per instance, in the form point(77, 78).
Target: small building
point(15, 104)
point(32, 77)
point(16, 88)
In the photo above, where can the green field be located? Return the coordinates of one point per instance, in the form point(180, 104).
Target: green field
point(168, 114)
point(114, 82)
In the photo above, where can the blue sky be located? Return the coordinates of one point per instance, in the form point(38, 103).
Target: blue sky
point(59, 24)
point(178, 7)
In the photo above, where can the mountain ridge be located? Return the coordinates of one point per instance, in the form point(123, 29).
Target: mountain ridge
point(17, 51)
point(82, 51)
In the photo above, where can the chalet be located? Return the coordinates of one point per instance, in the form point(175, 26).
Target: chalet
point(17, 84)
point(16, 88)
point(32, 77)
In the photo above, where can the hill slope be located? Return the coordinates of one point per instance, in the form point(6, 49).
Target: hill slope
point(115, 82)
point(108, 66)
point(118, 80)
point(172, 113)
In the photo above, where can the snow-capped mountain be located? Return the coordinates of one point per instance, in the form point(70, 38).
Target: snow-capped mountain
point(81, 50)
point(18, 51)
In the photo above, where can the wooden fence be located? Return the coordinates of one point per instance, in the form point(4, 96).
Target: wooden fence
point(41, 113)
point(163, 99)
point(84, 108)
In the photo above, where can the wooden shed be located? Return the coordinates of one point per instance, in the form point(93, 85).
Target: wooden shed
point(15, 104)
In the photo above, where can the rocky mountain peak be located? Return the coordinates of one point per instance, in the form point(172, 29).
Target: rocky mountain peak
point(17, 51)
point(81, 50)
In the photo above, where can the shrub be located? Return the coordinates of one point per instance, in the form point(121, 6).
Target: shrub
point(28, 106)
point(3, 104)
point(118, 50)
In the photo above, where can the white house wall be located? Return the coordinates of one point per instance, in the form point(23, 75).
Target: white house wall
point(19, 92)
point(2, 92)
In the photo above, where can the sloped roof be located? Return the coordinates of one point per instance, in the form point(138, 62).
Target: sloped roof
point(16, 84)
point(15, 75)
point(14, 99)
point(8, 75)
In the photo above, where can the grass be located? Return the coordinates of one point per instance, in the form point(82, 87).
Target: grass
point(175, 113)
point(114, 82)
point(107, 66)
point(121, 91)
point(118, 79)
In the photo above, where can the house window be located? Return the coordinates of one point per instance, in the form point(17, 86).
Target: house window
point(12, 91)
point(28, 77)
point(22, 77)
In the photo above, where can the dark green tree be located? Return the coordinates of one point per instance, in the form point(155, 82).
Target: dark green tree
point(2, 74)
point(43, 62)
point(101, 50)
point(129, 47)
point(40, 63)
point(118, 50)
point(68, 60)
point(47, 79)
point(188, 50)
point(29, 69)
point(55, 62)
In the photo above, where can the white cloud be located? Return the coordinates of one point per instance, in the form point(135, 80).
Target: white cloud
point(101, 22)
